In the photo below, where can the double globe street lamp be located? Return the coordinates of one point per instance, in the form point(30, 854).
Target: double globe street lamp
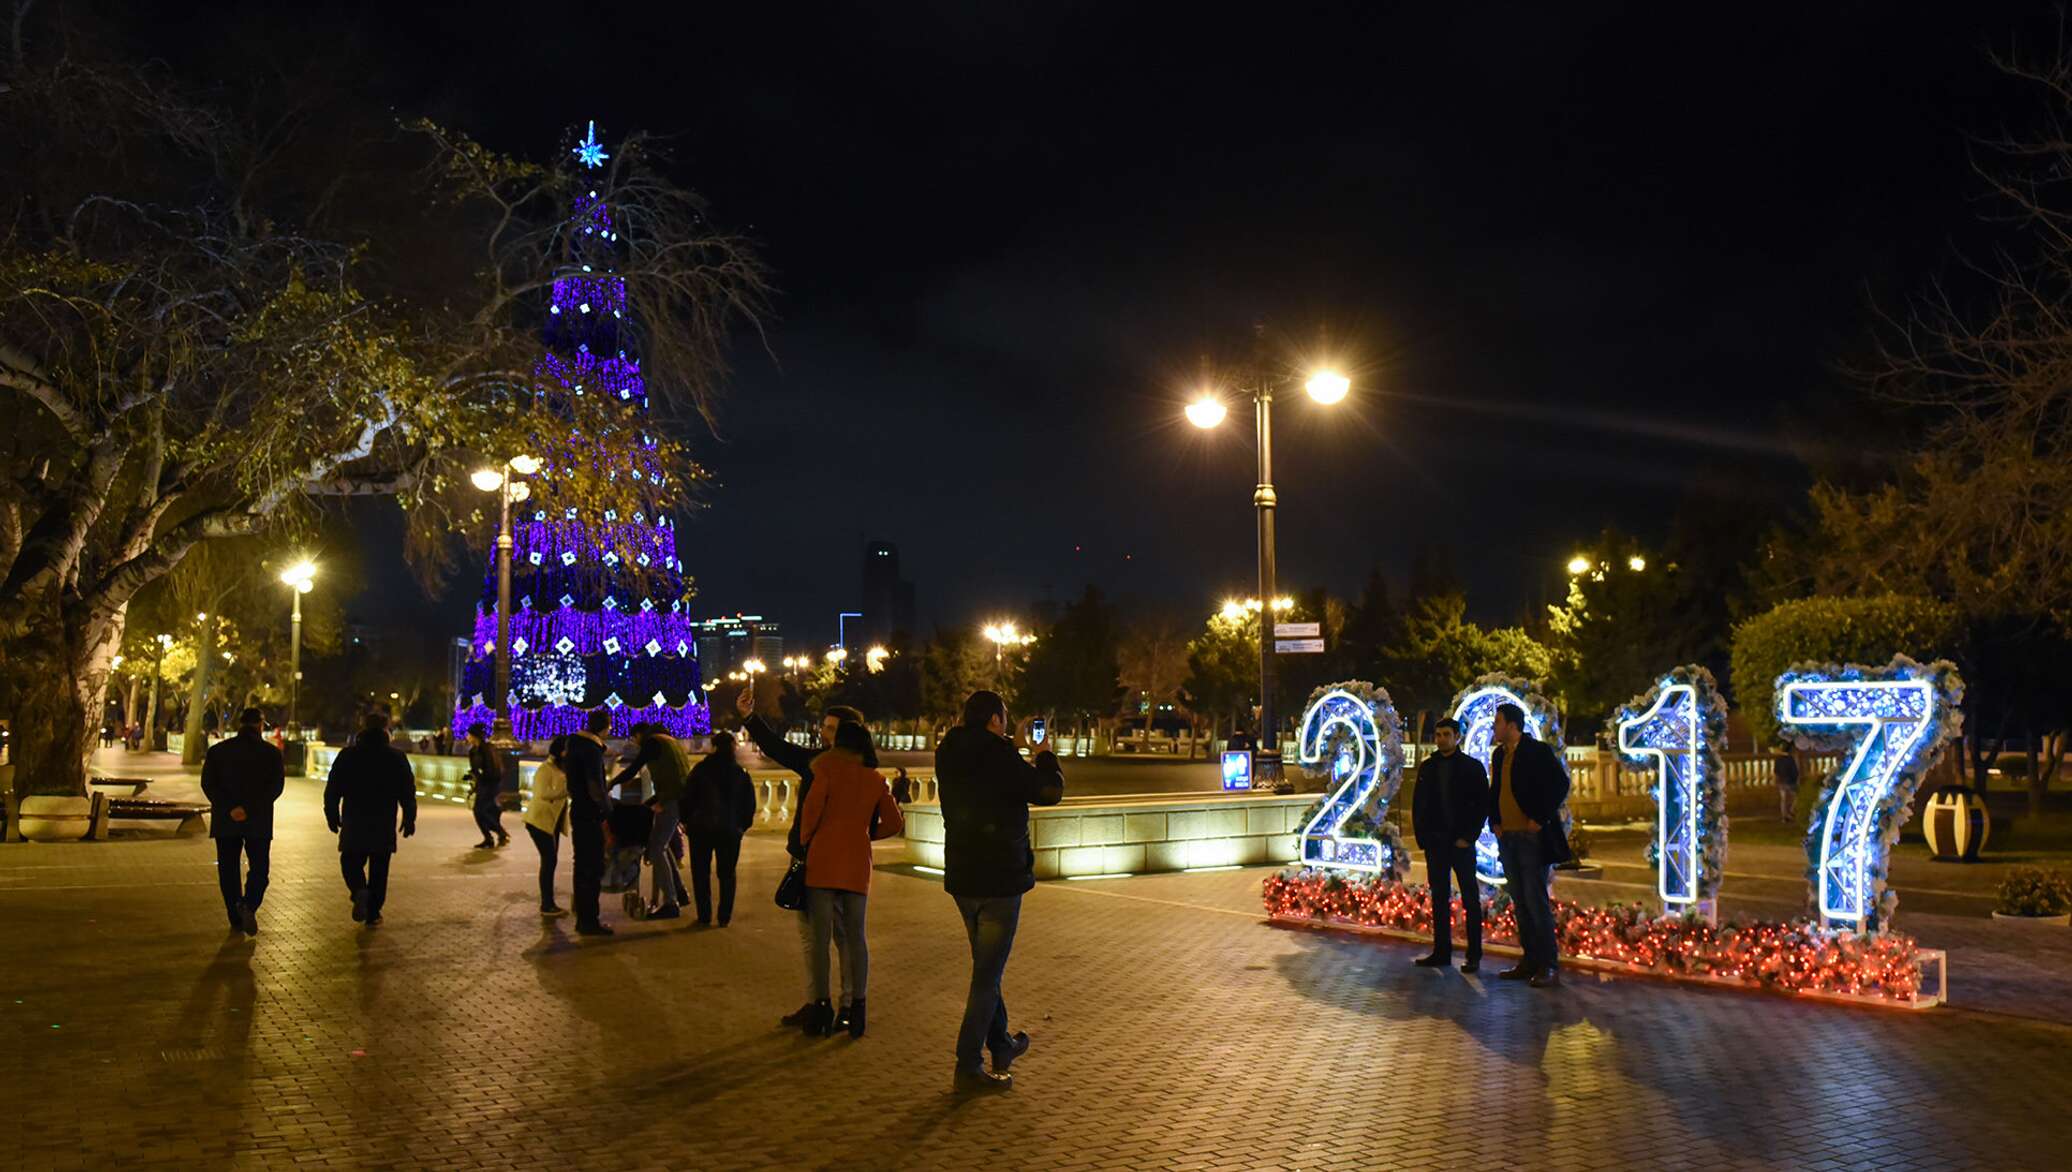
point(1208, 411)
point(510, 490)
point(300, 579)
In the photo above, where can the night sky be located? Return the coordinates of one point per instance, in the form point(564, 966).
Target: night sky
point(1583, 269)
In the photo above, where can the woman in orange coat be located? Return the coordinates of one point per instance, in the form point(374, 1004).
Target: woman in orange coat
point(847, 807)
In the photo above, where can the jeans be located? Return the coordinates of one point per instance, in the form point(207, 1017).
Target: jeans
point(489, 817)
point(549, 846)
point(668, 884)
point(830, 909)
point(256, 851)
point(1787, 802)
point(1526, 877)
point(708, 847)
point(1442, 867)
point(586, 838)
point(369, 872)
point(989, 924)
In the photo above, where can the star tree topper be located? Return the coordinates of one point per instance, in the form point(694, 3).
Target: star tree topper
point(590, 152)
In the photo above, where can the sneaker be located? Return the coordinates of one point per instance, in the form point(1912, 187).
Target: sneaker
point(1003, 1057)
point(979, 1082)
point(594, 930)
point(669, 912)
point(248, 919)
point(359, 905)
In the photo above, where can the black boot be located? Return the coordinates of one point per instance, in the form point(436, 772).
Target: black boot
point(852, 1018)
point(819, 1016)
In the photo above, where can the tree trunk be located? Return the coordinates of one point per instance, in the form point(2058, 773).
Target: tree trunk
point(129, 703)
point(63, 680)
point(194, 741)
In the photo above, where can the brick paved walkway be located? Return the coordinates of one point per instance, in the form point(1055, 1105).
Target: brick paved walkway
point(1173, 1030)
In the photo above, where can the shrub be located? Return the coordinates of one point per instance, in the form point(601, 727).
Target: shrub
point(1830, 630)
point(2033, 891)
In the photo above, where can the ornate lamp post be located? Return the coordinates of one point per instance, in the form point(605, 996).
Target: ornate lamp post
point(509, 489)
point(1326, 387)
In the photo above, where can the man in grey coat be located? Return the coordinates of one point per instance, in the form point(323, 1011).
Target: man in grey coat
point(242, 778)
point(370, 783)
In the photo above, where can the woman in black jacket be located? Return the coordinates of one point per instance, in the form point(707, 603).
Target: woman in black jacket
point(718, 807)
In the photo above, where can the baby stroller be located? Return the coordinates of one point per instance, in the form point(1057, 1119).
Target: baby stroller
point(625, 850)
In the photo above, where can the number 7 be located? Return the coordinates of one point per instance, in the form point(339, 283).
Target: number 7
point(1892, 724)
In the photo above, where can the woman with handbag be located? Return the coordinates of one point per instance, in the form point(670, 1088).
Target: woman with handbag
point(545, 816)
point(848, 806)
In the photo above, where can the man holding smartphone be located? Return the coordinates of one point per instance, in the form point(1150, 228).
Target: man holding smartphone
point(985, 789)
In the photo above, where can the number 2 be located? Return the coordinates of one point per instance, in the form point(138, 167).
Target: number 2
point(1363, 742)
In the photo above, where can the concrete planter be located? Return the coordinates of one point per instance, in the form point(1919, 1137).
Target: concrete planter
point(2059, 921)
point(45, 819)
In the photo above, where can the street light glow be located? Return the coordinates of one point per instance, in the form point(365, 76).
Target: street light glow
point(838, 655)
point(875, 658)
point(1233, 609)
point(1206, 412)
point(299, 575)
point(753, 667)
point(486, 479)
point(1578, 565)
point(1327, 386)
point(525, 465)
point(1636, 563)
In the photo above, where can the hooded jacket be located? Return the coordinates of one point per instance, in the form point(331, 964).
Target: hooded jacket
point(986, 789)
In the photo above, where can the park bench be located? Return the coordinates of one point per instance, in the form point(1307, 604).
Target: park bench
point(191, 816)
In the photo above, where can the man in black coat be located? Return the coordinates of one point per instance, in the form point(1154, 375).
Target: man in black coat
point(587, 807)
point(986, 789)
point(799, 760)
point(370, 781)
point(242, 778)
point(1446, 814)
point(1528, 784)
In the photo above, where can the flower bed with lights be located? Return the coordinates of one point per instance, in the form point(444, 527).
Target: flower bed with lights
point(1797, 957)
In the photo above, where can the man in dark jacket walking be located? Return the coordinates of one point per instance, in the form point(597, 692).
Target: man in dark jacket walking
point(370, 782)
point(1446, 814)
point(986, 789)
point(1528, 784)
point(242, 778)
point(587, 806)
point(799, 760)
point(488, 775)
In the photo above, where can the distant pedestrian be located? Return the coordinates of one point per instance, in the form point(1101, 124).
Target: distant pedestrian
point(1446, 814)
point(107, 734)
point(242, 778)
point(545, 817)
point(849, 807)
point(486, 771)
point(1784, 770)
point(583, 761)
point(1528, 783)
point(799, 760)
point(668, 768)
point(985, 789)
point(370, 784)
point(718, 808)
point(902, 785)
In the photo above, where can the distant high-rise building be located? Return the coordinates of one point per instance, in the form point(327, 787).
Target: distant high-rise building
point(888, 599)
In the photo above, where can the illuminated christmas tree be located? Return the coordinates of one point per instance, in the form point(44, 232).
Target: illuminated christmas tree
point(599, 614)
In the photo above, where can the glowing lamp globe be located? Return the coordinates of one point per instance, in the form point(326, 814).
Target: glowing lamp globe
point(1578, 565)
point(1206, 413)
point(525, 465)
point(1328, 386)
point(486, 479)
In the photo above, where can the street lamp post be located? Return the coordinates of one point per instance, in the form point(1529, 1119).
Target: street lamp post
point(1326, 387)
point(300, 579)
point(508, 488)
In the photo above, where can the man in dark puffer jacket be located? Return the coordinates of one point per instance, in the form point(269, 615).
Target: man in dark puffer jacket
point(986, 789)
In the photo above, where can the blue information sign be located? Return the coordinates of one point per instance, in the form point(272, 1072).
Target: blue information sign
point(1237, 769)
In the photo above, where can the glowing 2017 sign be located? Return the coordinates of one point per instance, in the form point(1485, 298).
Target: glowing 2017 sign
point(1352, 733)
point(1678, 725)
point(1891, 724)
point(1475, 708)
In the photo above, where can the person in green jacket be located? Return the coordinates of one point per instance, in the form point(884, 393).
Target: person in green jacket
point(669, 769)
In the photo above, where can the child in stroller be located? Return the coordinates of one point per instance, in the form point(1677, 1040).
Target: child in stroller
point(626, 830)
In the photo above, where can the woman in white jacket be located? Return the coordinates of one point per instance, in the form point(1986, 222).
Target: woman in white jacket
point(545, 816)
